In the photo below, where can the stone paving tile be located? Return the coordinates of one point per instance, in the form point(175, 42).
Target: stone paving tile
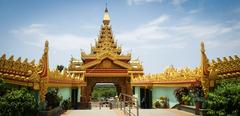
point(92, 112)
point(162, 112)
point(119, 112)
point(143, 112)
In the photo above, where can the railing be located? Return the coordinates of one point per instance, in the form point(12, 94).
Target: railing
point(127, 103)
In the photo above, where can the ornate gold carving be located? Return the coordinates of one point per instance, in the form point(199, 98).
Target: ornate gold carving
point(64, 76)
point(16, 70)
point(204, 71)
point(170, 74)
point(105, 44)
point(105, 48)
point(43, 73)
point(225, 68)
point(136, 64)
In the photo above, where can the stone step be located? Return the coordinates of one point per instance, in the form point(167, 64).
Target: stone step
point(191, 109)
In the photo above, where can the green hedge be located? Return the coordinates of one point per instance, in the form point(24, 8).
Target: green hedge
point(18, 103)
point(225, 98)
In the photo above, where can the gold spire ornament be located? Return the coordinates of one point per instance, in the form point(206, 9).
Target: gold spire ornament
point(106, 17)
point(105, 42)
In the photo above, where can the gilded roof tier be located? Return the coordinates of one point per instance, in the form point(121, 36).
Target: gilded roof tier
point(105, 47)
point(105, 43)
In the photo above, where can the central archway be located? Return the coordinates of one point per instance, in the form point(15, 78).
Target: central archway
point(122, 85)
point(103, 91)
point(105, 64)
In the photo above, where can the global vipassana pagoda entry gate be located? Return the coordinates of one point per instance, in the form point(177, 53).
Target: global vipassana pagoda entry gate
point(105, 64)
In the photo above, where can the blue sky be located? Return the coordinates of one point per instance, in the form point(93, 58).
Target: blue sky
point(158, 32)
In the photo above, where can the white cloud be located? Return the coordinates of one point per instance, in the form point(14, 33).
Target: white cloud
point(173, 2)
point(36, 34)
point(194, 11)
point(162, 32)
point(178, 2)
point(161, 38)
point(37, 25)
point(131, 2)
point(158, 21)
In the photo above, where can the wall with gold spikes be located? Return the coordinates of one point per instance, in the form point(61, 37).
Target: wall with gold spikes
point(38, 76)
point(169, 77)
point(220, 69)
point(18, 72)
point(206, 74)
point(64, 79)
point(227, 67)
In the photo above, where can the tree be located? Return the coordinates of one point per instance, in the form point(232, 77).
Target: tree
point(53, 99)
point(18, 103)
point(103, 92)
point(225, 98)
point(60, 68)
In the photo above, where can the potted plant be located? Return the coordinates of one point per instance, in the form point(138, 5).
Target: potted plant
point(186, 99)
point(179, 93)
point(198, 96)
point(164, 102)
point(66, 104)
point(53, 99)
point(157, 104)
point(52, 104)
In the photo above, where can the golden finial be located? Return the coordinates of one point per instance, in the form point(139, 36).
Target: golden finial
point(46, 46)
point(106, 17)
point(11, 58)
point(46, 43)
point(213, 61)
point(202, 47)
point(32, 62)
point(236, 57)
point(230, 58)
point(19, 59)
point(26, 60)
point(3, 57)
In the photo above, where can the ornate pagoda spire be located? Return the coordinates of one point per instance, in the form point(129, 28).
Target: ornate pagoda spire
point(106, 17)
point(105, 42)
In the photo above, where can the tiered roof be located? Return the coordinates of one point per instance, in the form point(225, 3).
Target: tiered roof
point(106, 43)
point(105, 47)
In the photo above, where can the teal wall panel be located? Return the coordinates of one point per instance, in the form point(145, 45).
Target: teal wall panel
point(79, 94)
point(137, 94)
point(36, 95)
point(65, 93)
point(164, 91)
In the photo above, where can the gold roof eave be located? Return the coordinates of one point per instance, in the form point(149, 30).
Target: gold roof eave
point(85, 56)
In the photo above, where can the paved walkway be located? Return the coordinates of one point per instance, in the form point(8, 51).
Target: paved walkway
point(143, 112)
point(163, 112)
point(94, 112)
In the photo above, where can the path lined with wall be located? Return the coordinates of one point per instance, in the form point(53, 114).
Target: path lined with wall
point(105, 111)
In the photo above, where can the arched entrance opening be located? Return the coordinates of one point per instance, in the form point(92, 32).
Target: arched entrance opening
point(103, 91)
point(122, 85)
